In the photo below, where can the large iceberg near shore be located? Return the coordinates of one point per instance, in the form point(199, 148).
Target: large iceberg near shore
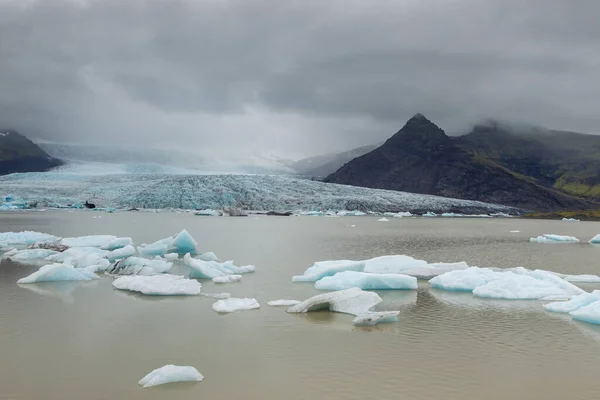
point(234, 304)
point(352, 301)
point(366, 281)
point(159, 285)
point(59, 272)
point(171, 373)
point(551, 238)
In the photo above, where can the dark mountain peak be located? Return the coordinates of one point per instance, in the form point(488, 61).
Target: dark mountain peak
point(19, 154)
point(418, 131)
point(419, 124)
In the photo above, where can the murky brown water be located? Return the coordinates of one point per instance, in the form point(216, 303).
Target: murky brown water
point(88, 341)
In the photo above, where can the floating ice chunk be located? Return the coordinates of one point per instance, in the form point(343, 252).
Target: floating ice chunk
point(118, 243)
point(203, 269)
point(89, 241)
point(435, 269)
point(159, 285)
point(350, 301)
point(171, 256)
point(589, 313)
point(171, 373)
point(140, 266)
point(322, 269)
point(570, 220)
point(153, 250)
point(464, 280)
point(575, 303)
point(81, 257)
point(383, 220)
point(207, 213)
point(375, 317)
point(311, 213)
point(234, 304)
point(29, 256)
point(227, 278)
point(430, 214)
point(355, 213)
point(580, 278)
point(59, 272)
point(181, 243)
point(10, 253)
point(283, 303)
point(120, 253)
point(216, 295)
point(184, 243)
point(209, 256)
point(24, 238)
point(551, 238)
point(366, 281)
point(395, 264)
point(513, 286)
point(515, 231)
point(595, 239)
point(244, 269)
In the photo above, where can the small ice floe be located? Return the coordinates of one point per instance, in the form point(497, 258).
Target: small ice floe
point(352, 301)
point(12, 240)
point(551, 238)
point(82, 257)
point(227, 279)
point(589, 313)
point(208, 213)
point(375, 317)
point(171, 373)
point(216, 295)
point(430, 214)
point(59, 272)
point(366, 281)
point(139, 266)
point(181, 243)
point(354, 213)
point(575, 303)
point(322, 269)
point(91, 241)
point(29, 256)
point(211, 269)
point(570, 220)
point(121, 253)
point(383, 220)
point(159, 285)
point(595, 239)
point(234, 304)
point(583, 278)
point(515, 231)
point(283, 303)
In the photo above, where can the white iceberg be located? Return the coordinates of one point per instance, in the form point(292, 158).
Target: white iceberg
point(184, 243)
point(227, 278)
point(346, 213)
point(570, 220)
point(121, 253)
point(383, 220)
point(464, 280)
point(584, 278)
point(430, 214)
point(216, 295)
point(589, 313)
point(516, 231)
point(156, 249)
point(89, 241)
point(118, 243)
point(234, 304)
point(375, 317)
point(434, 269)
point(551, 238)
point(159, 285)
point(595, 239)
point(352, 301)
point(322, 269)
point(283, 303)
point(575, 303)
point(366, 281)
point(171, 373)
point(29, 256)
point(171, 256)
point(81, 257)
point(395, 264)
point(140, 266)
point(59, 272)
point(9, 240)
point(203, 269)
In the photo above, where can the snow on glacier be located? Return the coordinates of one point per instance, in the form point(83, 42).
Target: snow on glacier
point(140, 266)
point(352, 301)
point(575, 303)
point(366, 281)
point(171, 373)
point(159, 285)
point(234, 304)
point(375, 317)
point(551, 238)
point(59, 272)
point(253, 192)
point(227, 279)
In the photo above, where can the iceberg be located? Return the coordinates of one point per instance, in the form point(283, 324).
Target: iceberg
point(12, 240)
point(283, 303)
point(81, 257)
point(89, 241)
point(395, 264)
point(203, 269)
point(383, 220)
point(570, 220)
point(171, 373)
point(430, 214)
point(216, 295)
point(584, 278)
point(322, 269)
point(209, 256)
point(515, 231)
point(551, 238)
point(465, 280)
point(157, 249)
point(29, 256)
point(366, 281)
point(59, 272)
point(352, 301)
point(346, 213)
point(595, 239)
point(227, 278)
point(375, 317)
point(121, 253)
point(118, 243)
point(171, 256)
point(140, 266)
point(159, 285)
point(233, 304)
point(589, 313)
point(575, 303)
point(181, 243)
point(434, 269)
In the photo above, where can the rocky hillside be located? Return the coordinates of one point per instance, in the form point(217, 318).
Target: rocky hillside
point(421, 158)
point(19, 154)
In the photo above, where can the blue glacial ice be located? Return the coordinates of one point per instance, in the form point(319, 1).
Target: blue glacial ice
point(575, 303)
point(208, 256)
point(120, 253)
point(11, 240)
point(30, 256)
point(551, 238)
point(322, 269)
point(140, 266)
point(181, 244)
point(352, 301)
point(171, 373)
point(59, 272)
point(234, 304)
point(464, 280)
point(589, 313)
point(375, 317)
point(595, 239)
point(366, 281)
point(159, 285)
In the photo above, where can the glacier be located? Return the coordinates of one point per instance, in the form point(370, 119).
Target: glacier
point(551, 238)
point(124, 190)
point(352, 301)
point(171, 373)
point(366, 281)
point(234, 304)
point(159, 285)
point(375, 317)
point(59, 272)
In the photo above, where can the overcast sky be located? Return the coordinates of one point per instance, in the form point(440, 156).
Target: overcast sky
point(292, 77)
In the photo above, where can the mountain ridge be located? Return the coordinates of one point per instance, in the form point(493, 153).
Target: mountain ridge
point(19, 154)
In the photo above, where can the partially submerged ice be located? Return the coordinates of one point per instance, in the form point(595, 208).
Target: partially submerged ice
point(140, 266)
point(100, 241)
point(283, 303)
point(10, 240)
point(589, 313)
point(595, 239)
point(59, 272)
point(121, 253)
point(211, 269)
point(159, 285)
point(551, 238)
point(171, 373)
point(575, 303)
point(366, 281)
point(234, 304)
point(375, 317)
point(29, 256)
point(383, 220)
point(227, 279)
point(322, 269)
point(571, 220)
point(352, 301)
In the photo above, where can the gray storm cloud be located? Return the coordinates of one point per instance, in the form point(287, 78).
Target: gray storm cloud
point(294, 77)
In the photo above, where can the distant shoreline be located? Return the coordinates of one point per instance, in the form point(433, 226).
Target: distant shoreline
point(587, 215)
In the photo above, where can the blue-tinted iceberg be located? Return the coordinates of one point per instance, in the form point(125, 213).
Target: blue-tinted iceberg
point(211, 269)
point(171, 373)
point(140, 266)
point(352, 301)
point(181, 243)
point(375, 317)
point(322, 269)
point(551, 238)
point(575, 303)
point(366, 281)
point(595, 239)
point(89, 241)
point(30, 256)
point(81, 257)
point(159, 285)
point(464, 280)
point(121, 253)
point(589, 313)
point(59, 272)
point(233, 304)
point(118, 243)
point(10, 240)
